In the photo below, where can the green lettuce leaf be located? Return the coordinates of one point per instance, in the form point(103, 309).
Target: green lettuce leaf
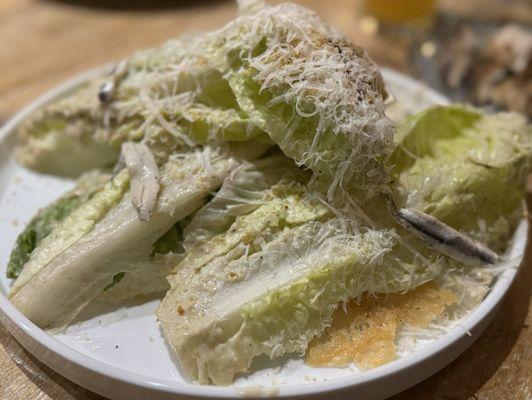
point(242, 192)
point(105, 237)
point(465, 168)
point(38, 228)
point(271, 302)
point(170, 97)
point(284, 208)
point(46, 219)
point(316, 94)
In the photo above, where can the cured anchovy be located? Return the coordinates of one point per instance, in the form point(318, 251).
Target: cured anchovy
point(108, 88)
point(443, 238)
point(145, 180)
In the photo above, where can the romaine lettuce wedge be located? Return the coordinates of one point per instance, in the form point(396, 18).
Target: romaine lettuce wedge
point(317, 95)
point(145, 281)
point(284, 207)
point(170, 97)
point(95, 244)
point(270, 302)
point(270, 282)
point(465, 168)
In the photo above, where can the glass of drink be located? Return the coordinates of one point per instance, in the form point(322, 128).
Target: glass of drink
point(401, 14)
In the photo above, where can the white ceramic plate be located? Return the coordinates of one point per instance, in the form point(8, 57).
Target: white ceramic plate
point(121, 354)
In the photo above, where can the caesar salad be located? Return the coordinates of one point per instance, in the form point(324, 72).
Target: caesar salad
point(251, 178)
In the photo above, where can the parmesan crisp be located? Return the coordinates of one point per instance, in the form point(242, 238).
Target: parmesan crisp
point(366, 333)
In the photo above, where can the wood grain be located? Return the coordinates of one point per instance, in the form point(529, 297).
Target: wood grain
point(45, 42)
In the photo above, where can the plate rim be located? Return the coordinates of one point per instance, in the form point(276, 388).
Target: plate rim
point(25, 332)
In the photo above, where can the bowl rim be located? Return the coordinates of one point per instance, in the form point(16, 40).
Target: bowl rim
point(27, 332)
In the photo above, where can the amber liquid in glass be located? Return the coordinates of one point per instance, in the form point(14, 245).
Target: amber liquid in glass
point(415, 13)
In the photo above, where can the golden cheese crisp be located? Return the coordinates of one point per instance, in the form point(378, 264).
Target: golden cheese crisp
point(366, 333)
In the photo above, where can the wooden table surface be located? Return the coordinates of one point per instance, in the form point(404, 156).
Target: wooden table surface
point(44, 42)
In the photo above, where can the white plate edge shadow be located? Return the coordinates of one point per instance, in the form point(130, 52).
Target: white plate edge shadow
point(373, 384)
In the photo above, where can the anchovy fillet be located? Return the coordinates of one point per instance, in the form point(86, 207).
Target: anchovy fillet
point(443, 238)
